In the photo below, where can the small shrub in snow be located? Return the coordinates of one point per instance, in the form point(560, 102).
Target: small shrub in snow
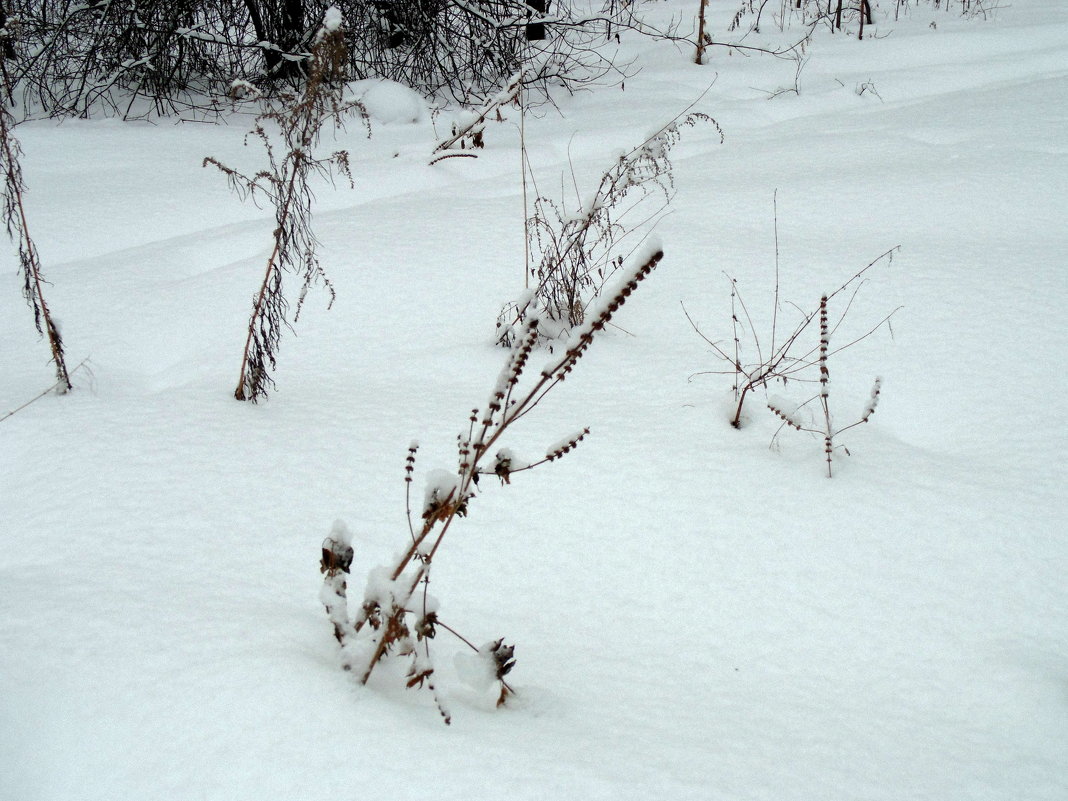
point(396, 617)
point(778, 358)
point(296, 124)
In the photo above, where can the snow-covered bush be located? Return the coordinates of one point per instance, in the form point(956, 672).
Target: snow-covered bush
point(396, 617)
point(145, 57)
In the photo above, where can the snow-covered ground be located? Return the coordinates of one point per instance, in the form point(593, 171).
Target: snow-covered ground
point(696, 614)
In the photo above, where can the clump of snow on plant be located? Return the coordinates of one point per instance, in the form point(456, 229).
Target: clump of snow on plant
point(332, 19)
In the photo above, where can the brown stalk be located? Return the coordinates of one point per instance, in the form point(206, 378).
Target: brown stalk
point(438, 516)
point(18, 229)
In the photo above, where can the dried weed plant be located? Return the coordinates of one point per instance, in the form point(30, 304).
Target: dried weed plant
point(824, 427)
point(580, 251)
point(780, 357)
point(295, 123)
point(18, 229)
point(467, 132)
point(396, 618)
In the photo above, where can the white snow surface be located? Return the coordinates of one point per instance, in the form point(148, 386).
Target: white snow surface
point(388, 102)
point(696, 615)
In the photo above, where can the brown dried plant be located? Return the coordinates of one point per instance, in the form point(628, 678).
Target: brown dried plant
point(467, 133)
point(580, 252)
point(296, 123)
point(779, 358)
point(396, 617)
point(33, 281)
point(790, 416)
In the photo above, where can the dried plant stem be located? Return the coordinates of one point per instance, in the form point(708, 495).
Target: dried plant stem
point(248, 385)
point(523, 175)
point(826, 428)
point(298, 121)
point(580, 251)
point(53, 388)
point(825, 379)
point(387, 620)
point(29, 260)
point(469, 135)
point(784, 361)
point(699, 58)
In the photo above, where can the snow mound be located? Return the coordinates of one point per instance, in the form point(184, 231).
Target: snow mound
point(388, 102)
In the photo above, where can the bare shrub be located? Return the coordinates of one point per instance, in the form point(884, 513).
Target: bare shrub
point(143, 57)
point(756, 362)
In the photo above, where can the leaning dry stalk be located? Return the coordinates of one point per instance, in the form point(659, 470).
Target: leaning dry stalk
point(29, 261)
point(469, 134)
point(390, 619)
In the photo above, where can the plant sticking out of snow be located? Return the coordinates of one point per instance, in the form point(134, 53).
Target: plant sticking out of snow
point(778, 358)
point(580, 251)
point(295, 123)
point(33, 282)
point(467, 132)
point(790, 415)
point(396, 618)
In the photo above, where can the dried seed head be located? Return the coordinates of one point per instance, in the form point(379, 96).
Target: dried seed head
point(337, 557)
point(503, 657)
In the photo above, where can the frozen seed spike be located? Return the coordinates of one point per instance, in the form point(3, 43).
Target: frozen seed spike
point(566, 445)
point(409, 462)
point(785, 416)
point(825, 344)
point(873, 401)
